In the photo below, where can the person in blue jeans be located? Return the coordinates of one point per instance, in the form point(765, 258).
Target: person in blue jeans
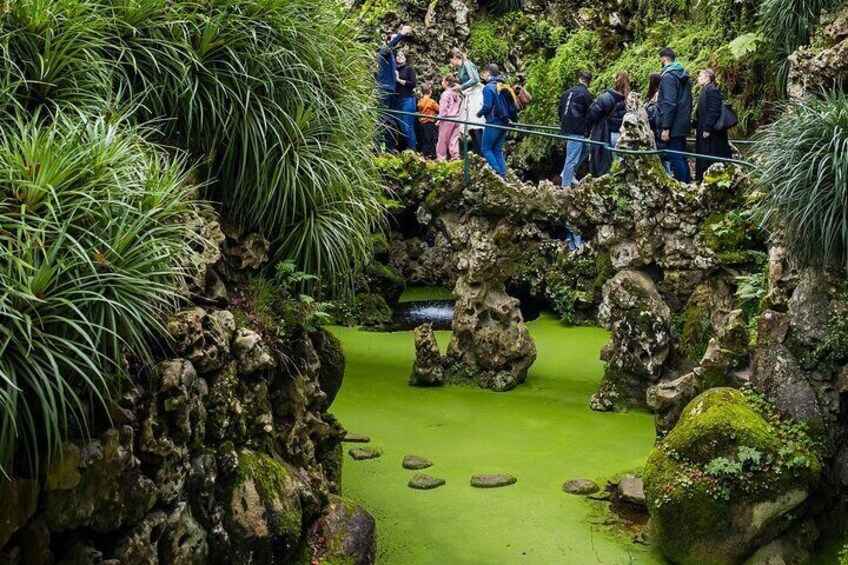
point(493, 138)
point(674, 104)
point(386, 77)
point(405, 100)
point(574, 122)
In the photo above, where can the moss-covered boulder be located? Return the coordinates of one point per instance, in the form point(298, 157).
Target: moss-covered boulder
point(331, 373)
point(263, 511)
point(727, 479)
point(385, 280)
point(345, 535)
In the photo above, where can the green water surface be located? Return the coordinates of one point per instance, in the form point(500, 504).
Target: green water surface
point(543, 432)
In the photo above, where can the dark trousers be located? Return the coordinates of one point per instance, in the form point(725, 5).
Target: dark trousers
point(679, 165)
point(477, 141)
point(427, 141)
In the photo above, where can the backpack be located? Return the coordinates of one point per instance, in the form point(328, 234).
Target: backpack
point(506, 103)
point(524, 97)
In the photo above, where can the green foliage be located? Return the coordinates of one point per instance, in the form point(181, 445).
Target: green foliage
point(94, 237)
point(547, 79)
point(803, 164)
point(266, 93)
point(487, 45)
point(788, 24)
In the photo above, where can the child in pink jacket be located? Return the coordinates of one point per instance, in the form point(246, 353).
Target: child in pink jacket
point(449, 132)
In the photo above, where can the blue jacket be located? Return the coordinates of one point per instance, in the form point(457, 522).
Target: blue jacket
point(490, 97)
point(387, 66)
point(675, 100)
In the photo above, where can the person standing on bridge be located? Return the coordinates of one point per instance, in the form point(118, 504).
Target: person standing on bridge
point(471, 87)
point(606, 116)
point(386, 77)
point(708, 140)
point(493, 137)
point(674, 102)
point(450, 105)
point(574, 122)
point(405, 100)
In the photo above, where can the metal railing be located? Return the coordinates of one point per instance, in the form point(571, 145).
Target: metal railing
point(544, 131)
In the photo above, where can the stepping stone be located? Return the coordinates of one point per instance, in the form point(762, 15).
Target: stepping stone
point(415, 463)
point(492, 481)
point(356, 438)
point(420, 481)
point(362, 453)
point(632, 490)
point(581, 487)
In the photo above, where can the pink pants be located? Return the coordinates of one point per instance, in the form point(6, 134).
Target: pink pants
point(448, 141)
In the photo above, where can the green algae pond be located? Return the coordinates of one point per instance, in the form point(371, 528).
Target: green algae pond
point(543, 432)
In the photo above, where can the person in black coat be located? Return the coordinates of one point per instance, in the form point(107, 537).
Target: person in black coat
point(605, 118)
point(674, 102)
point(708, 141)
point(573, 115)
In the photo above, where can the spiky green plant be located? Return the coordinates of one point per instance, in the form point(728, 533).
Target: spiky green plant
point(93, 240)
point(788, 24)
point(273, 94)
point(803, 158)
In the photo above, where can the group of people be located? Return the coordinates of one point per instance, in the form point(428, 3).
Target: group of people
point(477, 101)
point(669, 107)
point(466, 96)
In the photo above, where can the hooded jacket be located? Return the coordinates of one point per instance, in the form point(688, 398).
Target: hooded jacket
point(490, 97)
point(674, 102)
point(387, 66)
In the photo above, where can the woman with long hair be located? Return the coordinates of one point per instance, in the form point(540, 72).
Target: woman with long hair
point(606, 116)
point(471, 87)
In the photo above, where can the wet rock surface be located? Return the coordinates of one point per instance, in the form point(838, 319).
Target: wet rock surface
point(363, 453)
point(221, 450)
point(351, 437)
point(580, 487)
point(492, 481)
point(428, 369)
point(415, 462)
point(421, 481)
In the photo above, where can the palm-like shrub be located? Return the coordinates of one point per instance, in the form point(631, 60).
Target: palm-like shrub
point(274, 95)
point(271, 96)
point(788, 24)
point(93, 236)
point(803, 158)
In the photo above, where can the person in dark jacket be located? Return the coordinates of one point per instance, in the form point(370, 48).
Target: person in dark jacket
point(493, 138)
point(405, 100)
point(605, 117)
point(654, 116)
point(573, 114)
point(708, 141)
point(674, 102)
point(386, 77)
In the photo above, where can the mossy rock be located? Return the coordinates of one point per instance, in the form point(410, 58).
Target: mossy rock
point(380, 247)
point(385, 280)
point(331, 354)
point(263, 513)
point(726, 480)
point(695, 326)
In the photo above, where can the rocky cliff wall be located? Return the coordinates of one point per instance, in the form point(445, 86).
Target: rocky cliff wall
point(222, 451)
